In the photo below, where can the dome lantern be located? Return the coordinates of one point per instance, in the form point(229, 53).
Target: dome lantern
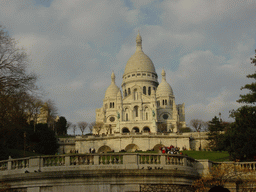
point(164, 89)
point(112, 90)
point(163, 75)
point(139, 61)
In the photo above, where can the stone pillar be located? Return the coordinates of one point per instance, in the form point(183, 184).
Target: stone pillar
point(130, 161)
point(9, 165)
point(96, 159)
point(162, 160)
point(67, 160)
point(34, 164)
point(185, 163)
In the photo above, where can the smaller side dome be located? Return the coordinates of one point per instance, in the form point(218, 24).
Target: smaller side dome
point(112, 90)
point(164, 89)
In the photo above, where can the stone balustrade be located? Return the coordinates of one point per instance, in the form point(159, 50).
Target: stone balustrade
point(95, 161)
point(247, 165)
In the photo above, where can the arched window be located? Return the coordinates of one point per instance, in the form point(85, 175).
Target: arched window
point(146, 115)
point(125, 93)
point(126, 115)
point(149, 90)
point(129, 91)
point(111, 105)
point(136, 110)
point(144, 90)
point(165, 102)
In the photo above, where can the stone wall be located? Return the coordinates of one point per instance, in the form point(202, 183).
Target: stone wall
point(139, 141)
point(165, 187)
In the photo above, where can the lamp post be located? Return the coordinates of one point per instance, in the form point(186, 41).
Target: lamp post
point(25, 135)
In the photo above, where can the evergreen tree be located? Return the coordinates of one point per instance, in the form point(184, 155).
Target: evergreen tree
point(250, 98)
point(61, 126)
point(215, 135)
point(44, 140)
point(242, 134)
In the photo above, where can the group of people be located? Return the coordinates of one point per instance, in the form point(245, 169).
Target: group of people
point(73, 151)
point(170, 150)
point(91, 150)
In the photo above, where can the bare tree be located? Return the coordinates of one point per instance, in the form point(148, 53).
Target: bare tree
point(34, 110)
point(204, 126)
point(91, 125)
point(98, 127)
point(69, 124)
point(162, 127)
point(197, 124)
point(16, 84)
point(82, 126)
point(74, 129)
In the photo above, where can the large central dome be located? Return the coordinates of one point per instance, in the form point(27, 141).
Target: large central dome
point(139, 61)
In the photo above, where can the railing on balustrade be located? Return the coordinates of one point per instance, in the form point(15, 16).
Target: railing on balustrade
point(81, 159)
point(149, 159)
point(14, 164)
point(20, 163)
point(174, 160)
point(245, 165)
point(248, 165)
point(53, 161)
point(3, 165)
point(104, 159)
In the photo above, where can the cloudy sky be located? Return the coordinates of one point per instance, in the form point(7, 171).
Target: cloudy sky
point(74, 45)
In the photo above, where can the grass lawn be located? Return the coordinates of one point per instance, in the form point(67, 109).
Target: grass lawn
point(211, 155)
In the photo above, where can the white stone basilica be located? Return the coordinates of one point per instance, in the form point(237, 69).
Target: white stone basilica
point(144, 105)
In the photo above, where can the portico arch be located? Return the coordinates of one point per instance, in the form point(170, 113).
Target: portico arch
point(157, 147)
point(135, 130)
point(125, 130)
point(104, 149)
point(131, 148)
point(146, 129)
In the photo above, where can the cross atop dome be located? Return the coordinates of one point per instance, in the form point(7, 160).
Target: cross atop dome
point(113, 77)
point(163, 75)
point(138, 42)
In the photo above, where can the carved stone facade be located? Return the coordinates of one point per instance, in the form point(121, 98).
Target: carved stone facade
point(143, 105)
